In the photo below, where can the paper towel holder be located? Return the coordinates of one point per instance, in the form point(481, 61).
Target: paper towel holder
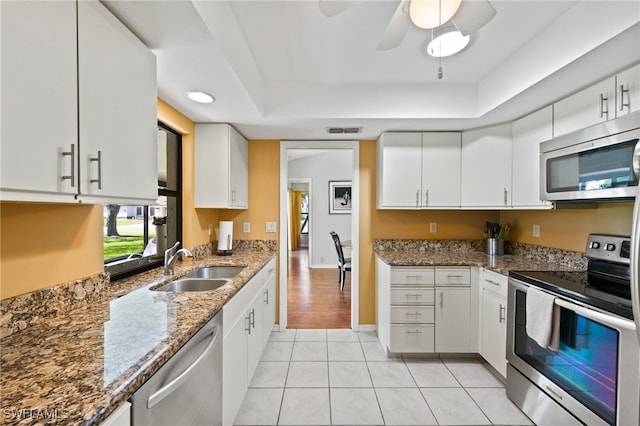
point(225, 238)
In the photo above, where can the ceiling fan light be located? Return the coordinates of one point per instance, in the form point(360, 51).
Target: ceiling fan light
point(429, 14)
point(447, 44)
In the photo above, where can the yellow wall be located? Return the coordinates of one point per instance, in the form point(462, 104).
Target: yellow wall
point(42, 245)
point(569, 229)
point(264, 192)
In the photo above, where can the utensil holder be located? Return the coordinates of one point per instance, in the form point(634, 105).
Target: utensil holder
point(495, 247)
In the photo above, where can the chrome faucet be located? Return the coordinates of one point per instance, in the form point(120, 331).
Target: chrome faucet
point(171, 255)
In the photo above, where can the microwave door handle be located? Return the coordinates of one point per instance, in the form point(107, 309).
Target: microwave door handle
point(636, 160)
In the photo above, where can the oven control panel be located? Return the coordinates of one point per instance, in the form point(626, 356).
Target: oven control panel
point(612, 248)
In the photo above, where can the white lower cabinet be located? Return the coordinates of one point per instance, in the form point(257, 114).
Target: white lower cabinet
point(493, 319)
point(423, 310)
point(269, 298)
point(244, 324)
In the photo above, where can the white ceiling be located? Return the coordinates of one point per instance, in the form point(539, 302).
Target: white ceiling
point(280, 69)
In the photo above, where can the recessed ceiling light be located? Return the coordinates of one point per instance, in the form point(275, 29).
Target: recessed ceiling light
point(447, 43)
point(201, 97)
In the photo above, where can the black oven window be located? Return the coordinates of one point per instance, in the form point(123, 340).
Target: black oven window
point(586, 364)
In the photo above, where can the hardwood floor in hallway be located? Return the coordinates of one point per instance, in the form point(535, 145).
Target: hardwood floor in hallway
point(314, 296)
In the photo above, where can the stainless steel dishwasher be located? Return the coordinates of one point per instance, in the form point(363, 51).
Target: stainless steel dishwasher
point(187, 390)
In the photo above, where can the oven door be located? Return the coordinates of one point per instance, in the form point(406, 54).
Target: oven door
point(595, 373)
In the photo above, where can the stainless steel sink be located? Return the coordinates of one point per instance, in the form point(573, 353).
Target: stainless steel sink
point(216, 272)
point(193, 284)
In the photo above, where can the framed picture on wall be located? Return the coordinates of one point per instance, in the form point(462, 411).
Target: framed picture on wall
point(340, 197)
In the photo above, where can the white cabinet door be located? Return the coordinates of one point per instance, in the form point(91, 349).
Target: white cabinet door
point(254, 336)
point(528, 133)
point(221, 167)
point(399, 170)
point(486, 167)
point(239, 173)
point(590, 106)
point(441, 169)
point(39, 101)
point(117, 99)
point(234, 360)
point(453, 306)
point(269, 299)
point(493, 330)
point(628, 91)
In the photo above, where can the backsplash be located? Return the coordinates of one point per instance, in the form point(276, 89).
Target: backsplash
point(570, 259)
point(19, 312)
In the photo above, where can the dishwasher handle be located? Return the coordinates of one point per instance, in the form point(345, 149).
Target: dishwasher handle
point(167, 390)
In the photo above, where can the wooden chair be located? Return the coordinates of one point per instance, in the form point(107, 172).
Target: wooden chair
point(344, 264)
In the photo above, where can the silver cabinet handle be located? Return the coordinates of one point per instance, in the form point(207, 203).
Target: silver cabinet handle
point(441, 299)
point(248, 322)
point(266, 297)
point(426, 198)
point(414, 332)
point(418, 198)
point(175, 383)
point(492, 282)
point(414, 295)
point(455, 276)
point(603, 101)
point(71, 153)
point(501, 315)
point(252, 318)
point(417, 314)
point(506, 193)
point(233, 196)
point(97, 159)
point(622, 102)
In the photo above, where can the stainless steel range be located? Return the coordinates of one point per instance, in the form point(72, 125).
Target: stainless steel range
point(591, 374)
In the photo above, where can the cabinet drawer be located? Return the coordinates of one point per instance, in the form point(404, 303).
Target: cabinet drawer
point(405, 276)
point(453, 276)
point(412, 296)
point(412, 315)
point(414, 338)
point(495, 282)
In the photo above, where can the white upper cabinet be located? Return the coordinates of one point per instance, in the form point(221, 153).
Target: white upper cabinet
point(528, 133)
point(628, 91)
point(399, 170)
point(118, 118)
point(441, 169)
point(39, 101)
point(78, 113)
point(590, 106)
point(221, 167)
point(418, 170)
point(486, 167)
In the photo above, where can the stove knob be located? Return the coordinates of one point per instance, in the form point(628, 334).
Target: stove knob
point(595, 245)
point(610, 247)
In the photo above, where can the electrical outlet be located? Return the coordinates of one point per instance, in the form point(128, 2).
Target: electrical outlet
point(433, 227)
point(211, 229)
point(536, 230)
point(246, 227)
point(271, 227)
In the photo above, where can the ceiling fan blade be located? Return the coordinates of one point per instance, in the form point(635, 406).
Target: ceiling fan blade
point(330, 8)
point(473, 15)
point(396, 28)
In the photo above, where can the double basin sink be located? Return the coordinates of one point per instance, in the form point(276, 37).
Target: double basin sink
point(203, 279)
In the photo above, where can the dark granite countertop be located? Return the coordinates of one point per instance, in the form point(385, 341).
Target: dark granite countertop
point(77, 367)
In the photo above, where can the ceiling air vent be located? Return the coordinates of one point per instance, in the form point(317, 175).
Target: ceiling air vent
point(349, 130)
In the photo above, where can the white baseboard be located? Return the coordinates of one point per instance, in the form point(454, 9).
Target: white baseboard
point(367, 327)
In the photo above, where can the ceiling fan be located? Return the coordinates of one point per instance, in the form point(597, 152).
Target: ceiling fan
point(469, 17)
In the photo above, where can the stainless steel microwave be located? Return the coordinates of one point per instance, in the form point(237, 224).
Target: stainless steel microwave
point(601, 162)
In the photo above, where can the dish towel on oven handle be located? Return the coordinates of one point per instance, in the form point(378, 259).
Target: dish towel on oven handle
point(543, 319)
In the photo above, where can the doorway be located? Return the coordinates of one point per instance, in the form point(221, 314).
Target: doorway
point(324, 265)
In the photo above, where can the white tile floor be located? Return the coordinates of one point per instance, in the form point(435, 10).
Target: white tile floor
point(338, 377)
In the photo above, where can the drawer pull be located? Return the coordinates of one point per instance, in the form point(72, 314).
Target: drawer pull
point(492, 282)
point(415, 277)
point(455, 276)
point(414, 332)
point(414, 295)
point(414, 313)
point(501, 318)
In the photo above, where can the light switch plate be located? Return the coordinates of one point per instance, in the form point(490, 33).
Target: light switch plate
point(536, 230)
point(246, 227)
point(271, 227)
point(433, 227)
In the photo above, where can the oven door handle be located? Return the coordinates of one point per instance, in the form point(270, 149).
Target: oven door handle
point(602, 318)
point(636, 160)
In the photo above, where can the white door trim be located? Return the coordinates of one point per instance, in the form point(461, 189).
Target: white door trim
point(354, 145)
